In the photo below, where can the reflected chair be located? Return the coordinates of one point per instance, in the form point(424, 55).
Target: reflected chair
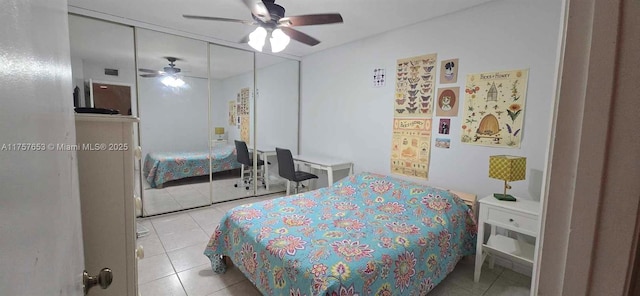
point(246, 162)
point(287, 170)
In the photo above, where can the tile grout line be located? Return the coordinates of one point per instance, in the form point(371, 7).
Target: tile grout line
point(492, 283)
point(167, 254)
point(171, 262)
point(175, 272)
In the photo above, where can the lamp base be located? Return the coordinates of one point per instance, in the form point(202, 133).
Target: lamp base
point(505, 197)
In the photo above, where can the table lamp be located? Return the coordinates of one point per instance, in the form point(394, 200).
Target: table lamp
point(219, 132)
point(507, 168)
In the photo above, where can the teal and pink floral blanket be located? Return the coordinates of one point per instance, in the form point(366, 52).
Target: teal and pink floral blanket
point(163, 167)
point(366, 235)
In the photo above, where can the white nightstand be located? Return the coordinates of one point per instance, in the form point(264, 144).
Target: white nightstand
point(520, 216)
point(216, 143)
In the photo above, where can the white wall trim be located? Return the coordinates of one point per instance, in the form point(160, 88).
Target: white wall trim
point(535, 276)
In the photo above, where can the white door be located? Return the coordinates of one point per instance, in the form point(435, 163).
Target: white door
point(40, 232)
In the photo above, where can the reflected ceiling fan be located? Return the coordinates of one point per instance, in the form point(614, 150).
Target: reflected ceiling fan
point(270, 20)
point(171, 70)
point(170, 73)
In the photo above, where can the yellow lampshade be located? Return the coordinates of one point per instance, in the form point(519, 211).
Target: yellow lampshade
point(219, 130)
point(507, 168)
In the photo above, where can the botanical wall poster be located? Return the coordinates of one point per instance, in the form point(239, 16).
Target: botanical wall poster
point(413, 109)
point(410, 148)
point(447, 101)
point(494, 108)
point(415, 79)
point(449, 71)
point(238, 115)
point(244, 128)
point(243, 101)
point(232, 112)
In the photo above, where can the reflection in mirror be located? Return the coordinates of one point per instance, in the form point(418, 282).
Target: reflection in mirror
point(232, 86)
point(103, 71)
point(277, 98)
point(103, 65)
point(173, 100)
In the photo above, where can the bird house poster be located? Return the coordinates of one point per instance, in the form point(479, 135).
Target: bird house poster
point(413, 110)
point(494, 104)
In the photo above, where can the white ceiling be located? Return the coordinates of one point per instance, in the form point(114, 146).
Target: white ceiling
point(362, 18)
point(111, 45)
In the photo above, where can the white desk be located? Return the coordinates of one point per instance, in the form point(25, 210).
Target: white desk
point(264, 153)
point(324, 163)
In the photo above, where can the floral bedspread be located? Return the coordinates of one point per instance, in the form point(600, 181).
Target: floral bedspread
point(366, 235)
point(163, 167)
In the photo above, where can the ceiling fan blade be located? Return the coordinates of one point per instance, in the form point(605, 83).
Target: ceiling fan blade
point(258, 9)
point(150, 75)
point(310, 19)
point(244, 39)
point(299, 36)
point(147, 70)
point(222, 19)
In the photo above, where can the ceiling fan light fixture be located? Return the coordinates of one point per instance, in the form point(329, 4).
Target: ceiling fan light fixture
point(172, 81)
point(279, 40)
point(257, 38)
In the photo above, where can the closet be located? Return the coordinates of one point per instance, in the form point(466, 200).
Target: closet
point(193, 99)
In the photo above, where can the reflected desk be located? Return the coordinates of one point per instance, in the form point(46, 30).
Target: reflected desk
point(264, 152)
point(324, 163)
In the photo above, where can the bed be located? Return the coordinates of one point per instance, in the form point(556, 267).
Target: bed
point(367, 234)
point(162, 167)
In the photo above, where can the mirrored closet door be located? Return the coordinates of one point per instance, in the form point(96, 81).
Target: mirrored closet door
point(173, 91)
point(103, 65)
point(194, 100)
point(104, 72)
point(232, 103)
point(276, 114)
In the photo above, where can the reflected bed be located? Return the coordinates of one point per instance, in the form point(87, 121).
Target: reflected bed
point(367, 234)
point(163, 167)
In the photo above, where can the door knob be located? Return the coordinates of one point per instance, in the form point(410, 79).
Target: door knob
point(104, 279)
point(140, 252)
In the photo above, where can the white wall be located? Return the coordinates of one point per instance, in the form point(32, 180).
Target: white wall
point(173, 120)
point(227, 90)
point(343, 115)
point(277, 104)
point(219, 106)
point(95, 71)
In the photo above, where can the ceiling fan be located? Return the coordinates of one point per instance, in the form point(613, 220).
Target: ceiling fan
point(269, 19)
point(171, 79)
point(171, 70)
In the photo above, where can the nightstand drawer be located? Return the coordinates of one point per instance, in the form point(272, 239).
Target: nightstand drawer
point(511, 219)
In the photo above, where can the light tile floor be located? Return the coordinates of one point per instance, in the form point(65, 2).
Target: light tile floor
point(195, 192)
point(174, 263)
